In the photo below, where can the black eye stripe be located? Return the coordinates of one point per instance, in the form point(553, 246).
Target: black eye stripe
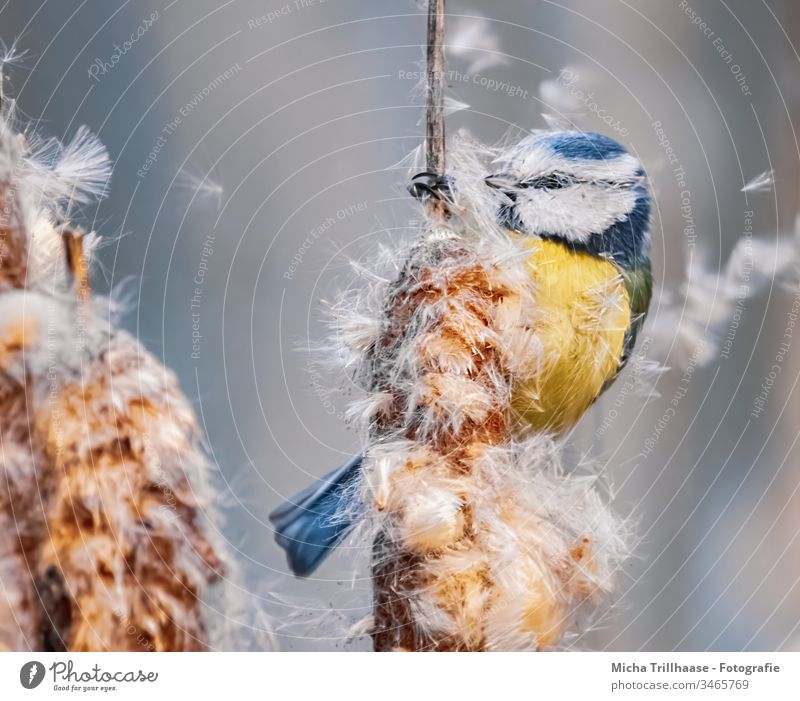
point(552, 181)
point(559, 181)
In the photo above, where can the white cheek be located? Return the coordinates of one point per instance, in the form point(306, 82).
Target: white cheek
point(575, 212)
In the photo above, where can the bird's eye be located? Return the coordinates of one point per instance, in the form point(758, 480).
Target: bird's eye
point(552, 181)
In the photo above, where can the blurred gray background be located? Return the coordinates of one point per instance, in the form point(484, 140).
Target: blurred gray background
point(254, 144)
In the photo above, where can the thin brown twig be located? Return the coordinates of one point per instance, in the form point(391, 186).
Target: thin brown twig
point(435, 133)
point(435, 88)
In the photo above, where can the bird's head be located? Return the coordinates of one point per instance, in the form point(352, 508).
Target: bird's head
point(582, 189)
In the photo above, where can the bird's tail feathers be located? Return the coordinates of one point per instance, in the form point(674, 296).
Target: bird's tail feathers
point(309, 525)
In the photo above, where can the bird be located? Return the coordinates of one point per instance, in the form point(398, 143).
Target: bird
point(579, 205)
point(582, 205)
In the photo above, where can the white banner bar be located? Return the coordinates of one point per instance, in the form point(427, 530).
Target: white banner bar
point(401, 676)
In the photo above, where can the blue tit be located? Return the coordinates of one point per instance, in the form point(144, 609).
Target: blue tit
point(580, 204)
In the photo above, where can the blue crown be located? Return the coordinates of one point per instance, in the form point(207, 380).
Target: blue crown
point(584, 146)
point(557, 162)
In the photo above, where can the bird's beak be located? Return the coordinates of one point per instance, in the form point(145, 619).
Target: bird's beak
point(499, 181)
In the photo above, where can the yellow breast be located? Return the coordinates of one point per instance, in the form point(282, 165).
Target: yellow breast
point(582, 314)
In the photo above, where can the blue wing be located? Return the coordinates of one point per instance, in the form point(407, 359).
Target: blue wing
point(305, 526)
